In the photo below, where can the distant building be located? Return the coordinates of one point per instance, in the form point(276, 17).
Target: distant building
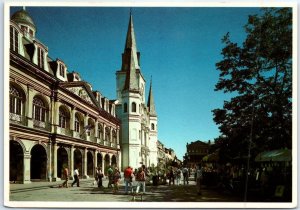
point(161, 155)
point(195, 151)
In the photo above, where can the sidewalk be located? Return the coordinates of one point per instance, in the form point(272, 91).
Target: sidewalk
point(44, 184)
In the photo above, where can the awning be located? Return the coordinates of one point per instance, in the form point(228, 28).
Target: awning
point(275, 155)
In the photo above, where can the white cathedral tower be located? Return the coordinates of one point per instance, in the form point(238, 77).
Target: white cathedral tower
point(138, 138)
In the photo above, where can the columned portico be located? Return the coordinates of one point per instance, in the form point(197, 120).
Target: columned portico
point(55, 178)
point(50, 175)
point(72, 162)
point(26, 167)
point(85, 176)
point(95, 158)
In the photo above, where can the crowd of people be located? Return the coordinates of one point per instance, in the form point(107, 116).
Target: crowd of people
point(134, 180)
point(228, 176)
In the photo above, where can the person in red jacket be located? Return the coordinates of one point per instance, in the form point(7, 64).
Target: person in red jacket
point(128, 174)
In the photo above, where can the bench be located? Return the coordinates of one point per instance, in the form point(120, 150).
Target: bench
point(134, 194)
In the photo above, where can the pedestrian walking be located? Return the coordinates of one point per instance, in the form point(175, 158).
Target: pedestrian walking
point(96, 176)
point(116, 180)
point(199, 176)
point(128, 175)
point(140, 178)
point(171, 176)
point(66, 177)
point(110, 177)
point(178, 176)
point(76, 177)
point(100, 176)
point(185, 173)
point(145, 169)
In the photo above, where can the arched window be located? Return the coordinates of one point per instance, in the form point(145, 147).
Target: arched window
point(152, 126)
point(125, 107)
point(133, 107)
point(15, 99)
point(14, 39)
point(100, 132)
point(77, 124)
point(39, 109)
point(63, 118)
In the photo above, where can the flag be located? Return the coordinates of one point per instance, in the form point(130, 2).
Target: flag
point(87, 128)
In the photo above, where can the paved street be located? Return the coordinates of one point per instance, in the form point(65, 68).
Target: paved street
point(43, 191)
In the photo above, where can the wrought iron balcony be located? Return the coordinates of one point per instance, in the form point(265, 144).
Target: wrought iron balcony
point(16, 118)
point(63, 131)
point(39, 124)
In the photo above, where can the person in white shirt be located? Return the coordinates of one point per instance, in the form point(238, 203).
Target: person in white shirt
point(76, 177)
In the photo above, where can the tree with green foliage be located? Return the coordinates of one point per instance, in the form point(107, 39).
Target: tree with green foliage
point(259, 76)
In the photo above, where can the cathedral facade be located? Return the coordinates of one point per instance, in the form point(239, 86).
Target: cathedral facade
point(138, 116)
point(56, 119)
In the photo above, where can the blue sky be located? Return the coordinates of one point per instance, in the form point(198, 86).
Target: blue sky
point(179, 48)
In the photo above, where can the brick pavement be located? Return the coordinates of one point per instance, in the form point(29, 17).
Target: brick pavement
point(49, 191)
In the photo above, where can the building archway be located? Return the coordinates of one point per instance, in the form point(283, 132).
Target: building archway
point(106, 163)
point(114, 161)
point(16, 158)
point(38, 163)
point(62, 161)
point(99, 160)
point(78, 161)
point(90, 164)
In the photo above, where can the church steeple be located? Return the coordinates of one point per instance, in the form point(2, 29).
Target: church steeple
point(130, 60)
point(130, 38)
point(150, 104)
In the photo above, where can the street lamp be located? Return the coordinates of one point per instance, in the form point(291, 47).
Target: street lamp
point(249, 154)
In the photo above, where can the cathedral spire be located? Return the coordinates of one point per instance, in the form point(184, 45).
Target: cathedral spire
point(130, 38)
point(150, 104)
point(130, 62)
point(131, 77)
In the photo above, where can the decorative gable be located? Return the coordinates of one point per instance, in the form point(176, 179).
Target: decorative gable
point(82, 93)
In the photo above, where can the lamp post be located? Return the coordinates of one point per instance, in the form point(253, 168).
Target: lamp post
point(249, 154)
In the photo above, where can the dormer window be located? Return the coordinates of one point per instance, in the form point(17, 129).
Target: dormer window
point(24, 28)
point(14, 39)
point(61, 70)
point(40, 58)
